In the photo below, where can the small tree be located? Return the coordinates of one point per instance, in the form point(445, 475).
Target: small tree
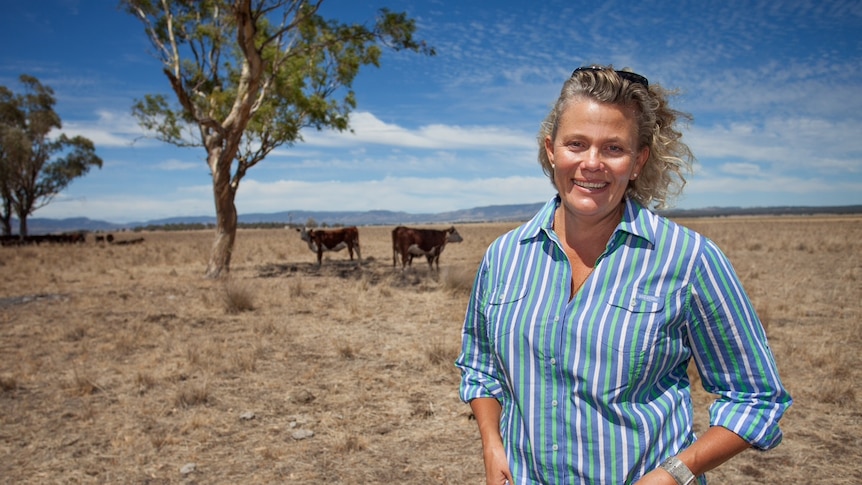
point(34, 167)
point(248, 76)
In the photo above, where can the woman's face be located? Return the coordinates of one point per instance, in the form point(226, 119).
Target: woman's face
point(594, 155)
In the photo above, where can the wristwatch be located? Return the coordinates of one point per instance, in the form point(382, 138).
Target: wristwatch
point(678, 470)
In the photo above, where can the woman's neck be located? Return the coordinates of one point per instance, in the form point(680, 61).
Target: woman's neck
point(585, 238)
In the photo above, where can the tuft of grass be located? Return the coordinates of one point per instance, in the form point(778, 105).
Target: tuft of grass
point(347, 351)
point(422, 406)
point(8, 383)
point(192, 394)
point(763, 313)
point(296, 289)
point(245, 361)
point(144, 381)
point(237, 297)
point(83, 385)
point(457, 280)
point(193, 356)
point(161, 437)
point(351, 444)
point(438, 353)
point(76, 333)
point(838, 393)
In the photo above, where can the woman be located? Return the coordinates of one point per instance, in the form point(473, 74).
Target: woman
point(582, 321)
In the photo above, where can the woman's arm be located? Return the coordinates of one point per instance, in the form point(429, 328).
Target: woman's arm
point(487, 412)
point(732, 354)
point(715, 447)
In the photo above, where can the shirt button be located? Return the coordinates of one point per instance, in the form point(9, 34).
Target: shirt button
point(556, 319)
point(555, 447)
point(554, 403)
point(553, 361)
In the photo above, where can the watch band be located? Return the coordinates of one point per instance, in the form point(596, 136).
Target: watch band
point(678, 470)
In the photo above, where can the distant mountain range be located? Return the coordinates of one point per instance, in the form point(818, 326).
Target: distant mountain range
point(494, 213)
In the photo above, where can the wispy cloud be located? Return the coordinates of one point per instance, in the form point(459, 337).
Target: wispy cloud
point(417, 195)
point(174, 164)
point(367, 128)
point(108, 129)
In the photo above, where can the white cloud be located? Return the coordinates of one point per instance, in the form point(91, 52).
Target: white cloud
point(745, 169)
point(796, 143)
point(415, 195)
point(174, 164)
point(124, 209)
point(722, 191)
point(408, 194)
point(367, 128)
point(109, 129)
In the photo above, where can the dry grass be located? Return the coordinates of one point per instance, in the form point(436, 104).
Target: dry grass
point(122, 364)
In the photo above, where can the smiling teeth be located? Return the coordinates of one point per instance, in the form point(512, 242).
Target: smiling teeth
point(589, 185)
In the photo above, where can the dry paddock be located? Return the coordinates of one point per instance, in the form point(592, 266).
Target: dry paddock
point(121, 364)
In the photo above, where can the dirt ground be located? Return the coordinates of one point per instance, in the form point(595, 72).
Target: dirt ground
point(121, 364)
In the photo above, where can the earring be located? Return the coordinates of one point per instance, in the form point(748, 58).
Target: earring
point(634, 176)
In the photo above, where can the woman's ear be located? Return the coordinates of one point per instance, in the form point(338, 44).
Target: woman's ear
point(549, 150)
point(643, 156)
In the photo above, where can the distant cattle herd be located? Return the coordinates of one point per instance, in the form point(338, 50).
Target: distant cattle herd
point(66, 238)
point(407, 242)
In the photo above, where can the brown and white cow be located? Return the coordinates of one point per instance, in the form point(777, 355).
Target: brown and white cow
point(409, 242)
point(331, 240)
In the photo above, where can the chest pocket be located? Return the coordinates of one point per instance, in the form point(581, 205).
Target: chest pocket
point(635, 320)
point(503, 309)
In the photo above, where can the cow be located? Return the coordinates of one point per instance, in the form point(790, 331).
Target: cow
point(409, 242)
point(331, 240)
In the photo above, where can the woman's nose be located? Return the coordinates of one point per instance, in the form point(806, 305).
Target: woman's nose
point(592, 159)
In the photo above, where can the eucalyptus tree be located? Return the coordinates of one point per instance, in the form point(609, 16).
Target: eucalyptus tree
point(248, 76)
point(36, 163)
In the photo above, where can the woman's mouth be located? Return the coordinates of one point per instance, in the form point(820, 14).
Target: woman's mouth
point(590, 185)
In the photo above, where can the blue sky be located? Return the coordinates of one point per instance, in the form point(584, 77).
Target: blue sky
point(775, 89)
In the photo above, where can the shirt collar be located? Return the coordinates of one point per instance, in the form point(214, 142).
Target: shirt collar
point(637, 221)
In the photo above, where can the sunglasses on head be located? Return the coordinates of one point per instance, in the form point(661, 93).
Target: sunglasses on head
point(628, 76)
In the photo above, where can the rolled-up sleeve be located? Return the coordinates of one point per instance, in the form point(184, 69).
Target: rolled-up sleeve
point(732, 354)
point(479, 375)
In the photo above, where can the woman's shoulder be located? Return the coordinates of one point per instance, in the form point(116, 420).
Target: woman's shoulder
point(512, 236)
point(528, 230)
point(686, 236)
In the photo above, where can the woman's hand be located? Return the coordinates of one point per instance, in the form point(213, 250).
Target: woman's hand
point(496, 466)
point(487, 412)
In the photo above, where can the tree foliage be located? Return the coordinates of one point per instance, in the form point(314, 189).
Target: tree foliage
point(248, 76)
point(35, 163)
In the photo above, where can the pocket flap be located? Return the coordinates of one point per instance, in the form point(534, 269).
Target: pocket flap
point(504, 294)
point(636, 300)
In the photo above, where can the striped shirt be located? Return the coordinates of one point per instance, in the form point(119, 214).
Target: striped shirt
point(594, 389)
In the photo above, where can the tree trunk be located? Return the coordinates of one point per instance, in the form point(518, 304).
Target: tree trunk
point(226, 218)
point(22, 226)
point(6, 217)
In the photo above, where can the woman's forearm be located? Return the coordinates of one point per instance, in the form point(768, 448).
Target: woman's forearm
point(711, 449)
point(487, 412)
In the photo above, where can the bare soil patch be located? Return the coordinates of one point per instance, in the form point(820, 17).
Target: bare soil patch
point(121, 364)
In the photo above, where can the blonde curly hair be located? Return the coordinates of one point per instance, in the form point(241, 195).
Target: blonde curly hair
point(663, 176)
